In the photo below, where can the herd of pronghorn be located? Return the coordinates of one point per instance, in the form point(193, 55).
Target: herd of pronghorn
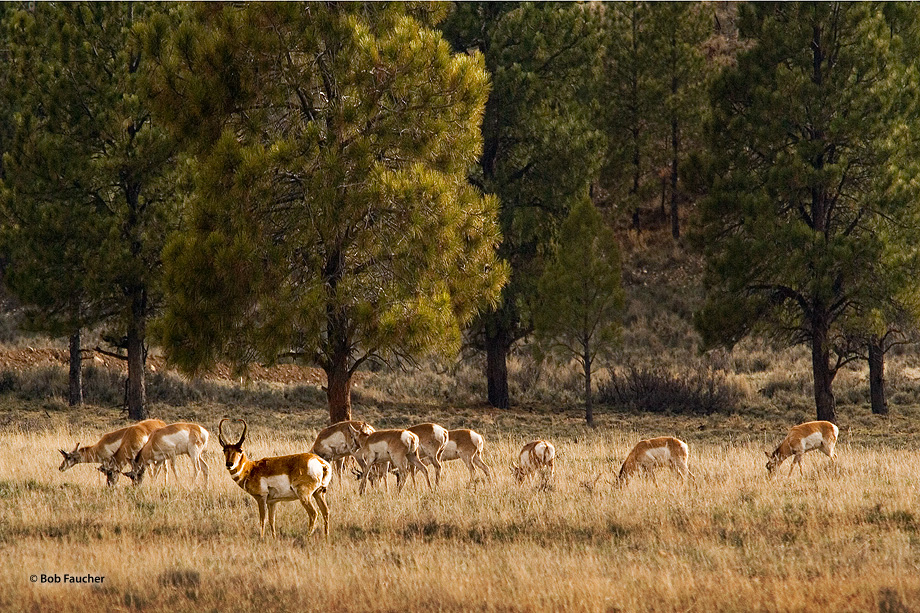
point(305, 476)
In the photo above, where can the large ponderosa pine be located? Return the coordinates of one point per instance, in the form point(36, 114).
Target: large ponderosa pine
point(542, 146)
point(87, 194)
point(812, 217)
point(331, 218)
point(579, 315)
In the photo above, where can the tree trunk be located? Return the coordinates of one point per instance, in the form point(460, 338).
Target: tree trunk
point(589, 401)
point(497, 349)
point(75, 380)
point(675, 145)
point(137, 331)
point(338, 393)
point(823, 374)
point(877, 376)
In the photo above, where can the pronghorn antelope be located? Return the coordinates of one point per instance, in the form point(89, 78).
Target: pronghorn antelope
point(131, 444)
point(304, 477)
point(167, 443)
point(802, 439)
point(535, 456)
point(431, 441)
point(650, 454)
point(338, 442)
point(398, 447)
point(466, 445)
point(106, 446)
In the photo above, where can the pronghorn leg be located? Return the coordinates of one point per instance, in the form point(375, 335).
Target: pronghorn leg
point(320, 497)
point(437, 470)
point(797, 461)
point(205, 469)
point(263, 517)
point(414, 461)
point(271, 518)
point(308, 505)
point(477, 460)
point(364, 475)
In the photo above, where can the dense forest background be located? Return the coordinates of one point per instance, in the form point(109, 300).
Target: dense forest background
point(666, 207)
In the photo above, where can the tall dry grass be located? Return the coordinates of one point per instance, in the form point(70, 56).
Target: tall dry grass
point(841, 537)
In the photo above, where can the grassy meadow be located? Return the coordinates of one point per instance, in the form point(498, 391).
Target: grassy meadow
point(842, 537)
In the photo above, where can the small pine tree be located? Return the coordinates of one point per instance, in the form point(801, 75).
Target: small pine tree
point(581, 298)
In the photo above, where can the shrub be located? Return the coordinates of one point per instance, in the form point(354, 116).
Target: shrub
point(658, 390)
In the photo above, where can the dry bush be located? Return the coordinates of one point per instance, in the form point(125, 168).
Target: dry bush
point(658, 390)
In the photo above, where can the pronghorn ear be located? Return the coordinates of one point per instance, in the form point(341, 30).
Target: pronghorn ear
point(76, 448)
point(63, 453)
point(767, 454)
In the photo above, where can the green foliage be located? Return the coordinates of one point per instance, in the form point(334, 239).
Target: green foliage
point(331, 217)
point(541, 140)
point(581, 298)
point(811, 219)
point(87, 186)
point(581, 294)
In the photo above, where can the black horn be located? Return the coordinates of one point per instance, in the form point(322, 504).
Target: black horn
point(243, 436)
point(220, 433)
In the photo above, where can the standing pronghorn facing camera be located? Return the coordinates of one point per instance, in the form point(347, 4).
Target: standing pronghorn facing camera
point(802, 439)
point(303, 477)
point(167, 443)
point(398, 447)
point(466, 445)
point(655, 452)
point(432, 439)
point(340, 441)
point(106, 446)
point(535, 456)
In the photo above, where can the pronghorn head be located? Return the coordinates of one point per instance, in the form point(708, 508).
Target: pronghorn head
point(70, 459)
point(773, 462)
point(138, 470)
point(518, 472)
point(233, 452)
point(111, 474)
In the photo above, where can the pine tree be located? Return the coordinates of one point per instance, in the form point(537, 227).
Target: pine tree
point(811, 220)
point(542, 144)
point(87, 191)
point(331, 218)
point(580, 311)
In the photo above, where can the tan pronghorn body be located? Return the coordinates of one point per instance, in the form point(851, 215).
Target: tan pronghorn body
point(466, 445)
point(431, 441)
point(802, 439)
point(535, 456)
point(338, 442)
point(106, 446)
point(166, 444)
point(131, 444)
point(398, 447)
point(656, 452)
point(303, 477)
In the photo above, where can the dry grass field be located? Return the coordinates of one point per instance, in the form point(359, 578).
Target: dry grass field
point(842, 537)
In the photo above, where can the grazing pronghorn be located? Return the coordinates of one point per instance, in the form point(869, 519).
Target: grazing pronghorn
point(398, 447)
point(466, 445)
point(106, 447)
point(431, 441)
point(303, 477)
point(167, 443)
point(535, 456)
point(802, 439)
point(650, 454)
point(338, 442)
point(131, 444)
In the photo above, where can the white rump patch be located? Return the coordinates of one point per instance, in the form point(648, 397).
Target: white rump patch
point(315, 470)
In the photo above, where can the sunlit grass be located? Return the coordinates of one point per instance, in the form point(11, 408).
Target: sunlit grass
point(843, 536)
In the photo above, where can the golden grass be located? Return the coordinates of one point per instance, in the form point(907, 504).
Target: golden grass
point(842, 537)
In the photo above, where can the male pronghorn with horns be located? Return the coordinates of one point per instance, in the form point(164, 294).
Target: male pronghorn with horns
point(303, 477)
